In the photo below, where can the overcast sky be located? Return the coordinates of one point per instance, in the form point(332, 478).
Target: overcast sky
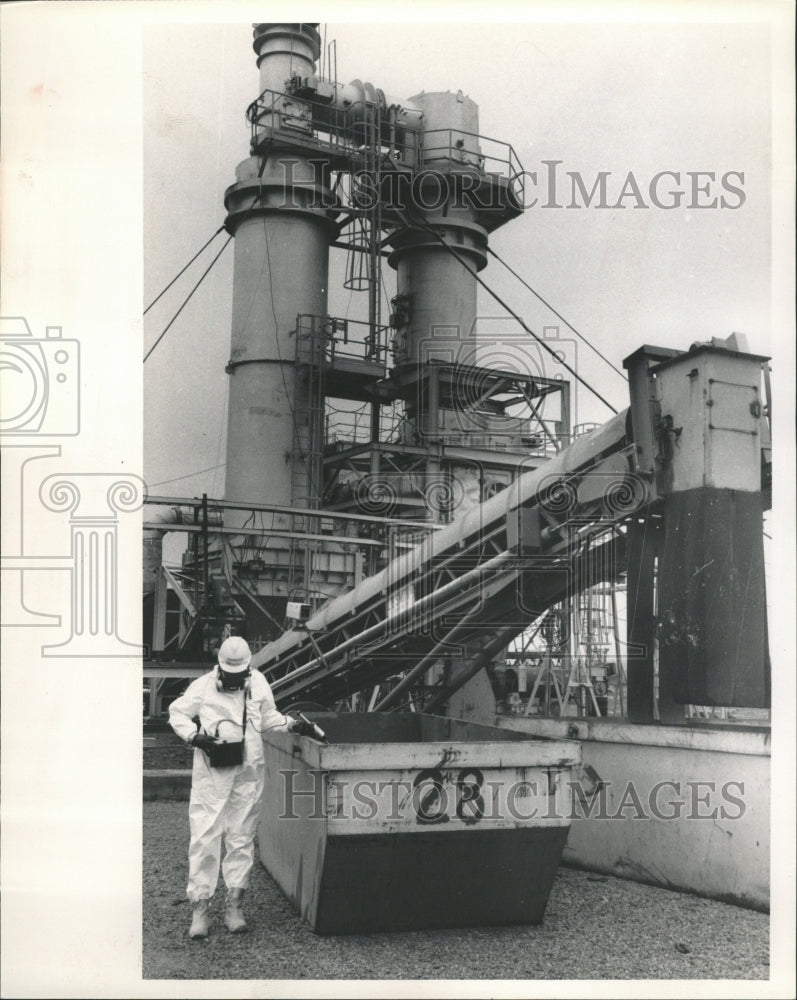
point(622, 98)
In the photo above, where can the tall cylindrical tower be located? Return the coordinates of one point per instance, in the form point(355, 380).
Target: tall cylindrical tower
point(278, 213)
point(436, 301)
point(439, 243)
point(438, 294)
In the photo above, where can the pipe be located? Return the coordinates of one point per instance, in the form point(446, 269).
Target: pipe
point(158, 522)
point(391, 117)
point(304, 512)
point(617, 652)
point(162, 521)
point(157, 515)
point(353, 106)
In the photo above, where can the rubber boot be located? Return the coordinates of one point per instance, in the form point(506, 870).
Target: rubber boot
point(199, 920)
point(233, 918)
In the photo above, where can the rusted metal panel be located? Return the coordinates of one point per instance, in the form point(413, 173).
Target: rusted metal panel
point(643, 544)
point(712, 603)
point(397, 756)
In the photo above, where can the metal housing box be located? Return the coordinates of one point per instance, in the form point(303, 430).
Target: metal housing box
point(711, 398)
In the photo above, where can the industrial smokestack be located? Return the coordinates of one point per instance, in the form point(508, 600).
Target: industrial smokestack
point(436, 294)
point(282, 234)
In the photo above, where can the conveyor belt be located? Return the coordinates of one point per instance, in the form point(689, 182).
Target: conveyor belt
point(467, 590)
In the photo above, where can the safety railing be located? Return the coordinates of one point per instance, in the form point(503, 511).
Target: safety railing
point(459, 148)
point(349, 427)
point(534, 443)
point(257, 529)
point(334, 338)
point(585, 428)
point(340, 132)
point(346, 132)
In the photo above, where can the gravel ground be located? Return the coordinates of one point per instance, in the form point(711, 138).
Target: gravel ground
point(595, 927)
point(164, 749)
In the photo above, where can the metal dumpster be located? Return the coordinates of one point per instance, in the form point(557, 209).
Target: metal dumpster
point(407, 821)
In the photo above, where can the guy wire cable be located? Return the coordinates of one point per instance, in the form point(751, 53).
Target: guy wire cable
point(185, 303)
point(179, 273)
point(557, 314)
point(500, 301)
point(188, 298)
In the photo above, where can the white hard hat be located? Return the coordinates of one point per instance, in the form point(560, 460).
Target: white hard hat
point(234, 655)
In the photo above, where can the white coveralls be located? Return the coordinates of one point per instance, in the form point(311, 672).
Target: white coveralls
point(224, 800)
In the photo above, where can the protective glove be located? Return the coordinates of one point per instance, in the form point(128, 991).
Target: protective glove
point(302, 728)
point(203, 741)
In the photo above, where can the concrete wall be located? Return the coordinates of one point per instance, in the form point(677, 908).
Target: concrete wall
point(696, 818)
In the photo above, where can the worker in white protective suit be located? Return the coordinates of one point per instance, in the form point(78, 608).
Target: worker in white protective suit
point(233, 706)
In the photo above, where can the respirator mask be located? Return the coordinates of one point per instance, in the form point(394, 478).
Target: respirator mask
point(228, 681)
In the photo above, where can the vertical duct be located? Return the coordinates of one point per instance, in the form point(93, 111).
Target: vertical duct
point(436, 293)
point(436, 300)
